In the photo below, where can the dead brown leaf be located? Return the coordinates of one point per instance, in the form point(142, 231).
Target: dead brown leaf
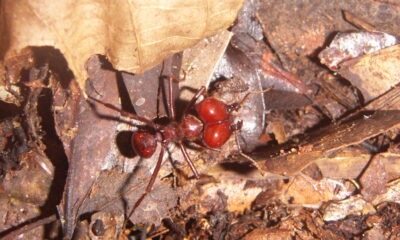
point(374, 178)
point(307, 191)
point(135, 35)
point(374, 74)
point(354, 205)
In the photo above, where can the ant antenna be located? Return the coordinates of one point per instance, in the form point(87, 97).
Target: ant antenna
point(236, 127)
point(236, 106)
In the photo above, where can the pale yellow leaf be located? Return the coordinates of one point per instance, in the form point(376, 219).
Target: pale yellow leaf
point(135, 35)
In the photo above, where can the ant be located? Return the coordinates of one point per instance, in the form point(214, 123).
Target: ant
point(213, 125)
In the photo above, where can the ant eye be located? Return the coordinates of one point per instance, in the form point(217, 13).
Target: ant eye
point(211, 110)
point(144, 143)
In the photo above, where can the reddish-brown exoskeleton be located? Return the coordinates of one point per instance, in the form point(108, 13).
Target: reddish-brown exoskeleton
point(213, 125)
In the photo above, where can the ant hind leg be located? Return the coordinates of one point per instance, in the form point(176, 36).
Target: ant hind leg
point(149, 186)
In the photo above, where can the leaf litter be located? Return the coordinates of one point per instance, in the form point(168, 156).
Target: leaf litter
point(320, 156)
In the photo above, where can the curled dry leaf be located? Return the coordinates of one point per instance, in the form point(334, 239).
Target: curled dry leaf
point(148, 92)
point(201, 60)
point(374, 74)
point(346, 46)
point(135, 35)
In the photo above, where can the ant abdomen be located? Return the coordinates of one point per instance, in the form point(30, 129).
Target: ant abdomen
point(144, 143)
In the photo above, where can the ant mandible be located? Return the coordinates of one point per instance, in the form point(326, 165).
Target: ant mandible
point(213, 125)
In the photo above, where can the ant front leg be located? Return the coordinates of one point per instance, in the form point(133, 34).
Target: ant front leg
point(199, 93)
point(171, 104)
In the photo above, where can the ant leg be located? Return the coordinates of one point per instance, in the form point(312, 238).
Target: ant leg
point(235, 128)
point(149, 185)
point(125, 113)
point(187, 159)
point(194, 99)
point(171, 104)
point(179, 79)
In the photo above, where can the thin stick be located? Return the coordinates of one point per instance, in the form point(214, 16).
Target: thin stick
point(357, 21)
point(29, 226)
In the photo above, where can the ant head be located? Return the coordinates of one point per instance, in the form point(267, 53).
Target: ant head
point(212, 110)
point(215, 135)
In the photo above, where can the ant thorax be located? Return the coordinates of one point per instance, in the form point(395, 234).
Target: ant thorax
point(190, 128)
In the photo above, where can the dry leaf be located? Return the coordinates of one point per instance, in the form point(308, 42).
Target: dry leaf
point(374, 178)
point(388, 101)
point(346, 163)
point(309, 192)
point(353, 205)
point(267, 233)
point(135, 35)
point(230, 184)
point(346, 46)
point(391, 195)
point(201, 60)
point(374, 74)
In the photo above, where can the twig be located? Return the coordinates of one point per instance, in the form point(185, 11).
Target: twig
point(27, 227)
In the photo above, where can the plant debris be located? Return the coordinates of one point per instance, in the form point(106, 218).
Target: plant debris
point(312, 107)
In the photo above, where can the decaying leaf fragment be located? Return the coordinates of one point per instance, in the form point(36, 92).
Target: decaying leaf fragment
point(346, 46)
point(374, 179)
point(374, 74)
point(207, 194)
point(10, 74)
point(369, 60)
point(353, 205)
point(307, 191)
point(135, 35)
